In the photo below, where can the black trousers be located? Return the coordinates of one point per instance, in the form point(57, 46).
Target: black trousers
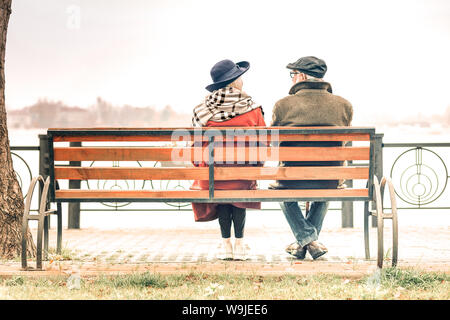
point(227, 214)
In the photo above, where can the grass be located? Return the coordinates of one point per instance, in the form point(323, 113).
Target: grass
point(409, 278)
point(390, 283)
point(66, 254)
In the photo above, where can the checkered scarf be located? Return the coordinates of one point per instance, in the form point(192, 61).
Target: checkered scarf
point(222, 105)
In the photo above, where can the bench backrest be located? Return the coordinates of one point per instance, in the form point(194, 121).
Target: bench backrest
point(166, 154)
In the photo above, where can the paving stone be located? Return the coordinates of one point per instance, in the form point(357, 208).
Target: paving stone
point(266, 246)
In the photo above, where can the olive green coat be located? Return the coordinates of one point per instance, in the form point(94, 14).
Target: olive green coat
point(311, 103)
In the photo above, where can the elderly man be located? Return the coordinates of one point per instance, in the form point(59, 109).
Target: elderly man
point(310, 103)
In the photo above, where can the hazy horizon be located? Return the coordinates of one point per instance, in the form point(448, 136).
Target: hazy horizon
point(388, 58)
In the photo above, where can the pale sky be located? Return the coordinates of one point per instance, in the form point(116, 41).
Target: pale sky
point(388, 58)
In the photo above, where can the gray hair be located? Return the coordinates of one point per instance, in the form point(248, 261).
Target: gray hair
point(233, 84)
point(308, 77)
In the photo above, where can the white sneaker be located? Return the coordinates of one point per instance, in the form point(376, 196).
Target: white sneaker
point(240, 249)
point(226, 250)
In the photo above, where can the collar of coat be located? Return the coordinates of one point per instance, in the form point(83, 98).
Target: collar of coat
point(310, 84)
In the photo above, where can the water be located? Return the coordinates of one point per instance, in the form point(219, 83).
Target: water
point(256, 219)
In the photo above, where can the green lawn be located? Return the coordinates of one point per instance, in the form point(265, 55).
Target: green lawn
point(387, 284)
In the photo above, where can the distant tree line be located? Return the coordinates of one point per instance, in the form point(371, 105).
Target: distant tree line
point(56, 114)
point(428, 120)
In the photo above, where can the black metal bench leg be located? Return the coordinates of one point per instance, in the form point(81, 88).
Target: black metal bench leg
point(26, 218)
point(24, 241)
point(366, 229)
point(392, 215)
point(46, 238)
point(40, 233)
point(394, 239)
point(59, 227)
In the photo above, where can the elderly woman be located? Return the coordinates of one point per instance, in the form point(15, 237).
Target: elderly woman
point(227, 106)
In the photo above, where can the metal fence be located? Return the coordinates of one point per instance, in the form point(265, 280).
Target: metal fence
point(420, 175)
point(418, 171)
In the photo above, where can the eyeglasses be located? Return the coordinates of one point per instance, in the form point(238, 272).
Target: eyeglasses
point(293, 74)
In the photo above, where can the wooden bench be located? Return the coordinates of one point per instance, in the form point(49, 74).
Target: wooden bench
point(108, 146)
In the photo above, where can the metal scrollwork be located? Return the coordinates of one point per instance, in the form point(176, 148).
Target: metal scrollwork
point(21, 166)
point(424, 179)
point(134, 185)
point(172, 185)
point(117, 185)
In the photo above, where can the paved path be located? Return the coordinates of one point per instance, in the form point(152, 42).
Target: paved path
point(186, 249)
point(419, 245)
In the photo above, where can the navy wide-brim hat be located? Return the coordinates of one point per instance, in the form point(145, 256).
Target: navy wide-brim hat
point(310, 65)
point(225, 72)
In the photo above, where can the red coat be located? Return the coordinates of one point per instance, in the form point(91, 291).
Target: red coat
point(208, 211)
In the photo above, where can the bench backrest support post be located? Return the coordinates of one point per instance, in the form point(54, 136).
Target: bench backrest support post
point(378, 163)
point(43, 159)
point(51, 167)
point(211, 166)
point(74, 207)
point(347, 206)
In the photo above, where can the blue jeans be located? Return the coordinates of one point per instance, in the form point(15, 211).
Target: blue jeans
point(305, 230)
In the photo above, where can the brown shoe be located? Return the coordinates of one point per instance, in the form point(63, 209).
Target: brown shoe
point(316, 249)
point(297, 251)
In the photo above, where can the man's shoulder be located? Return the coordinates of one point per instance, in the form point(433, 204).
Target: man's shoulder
point(284, 101)
point(340, 100)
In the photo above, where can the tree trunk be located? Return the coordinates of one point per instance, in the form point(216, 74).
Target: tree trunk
point(11, 198)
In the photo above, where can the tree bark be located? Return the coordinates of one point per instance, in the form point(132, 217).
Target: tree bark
point(11, 198)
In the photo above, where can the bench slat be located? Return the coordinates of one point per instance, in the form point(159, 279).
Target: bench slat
point(169, 138)
point(203, 194)
point(188, 154)
point(130, 173)
point(289, 193)
point(220, 173)
point(131, 194)
point(290, 173)
point(170, 130)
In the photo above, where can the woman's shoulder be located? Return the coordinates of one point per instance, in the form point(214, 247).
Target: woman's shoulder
point(246, 119)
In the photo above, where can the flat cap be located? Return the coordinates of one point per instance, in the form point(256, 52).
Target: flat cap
point(310, 65)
